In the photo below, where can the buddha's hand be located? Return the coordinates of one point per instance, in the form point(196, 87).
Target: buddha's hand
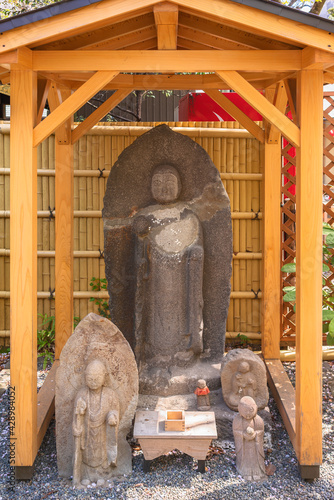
point(112, 418)
point(80, 407)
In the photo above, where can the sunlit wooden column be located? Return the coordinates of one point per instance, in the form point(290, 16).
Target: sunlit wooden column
point(271, 296)
point(309, 273)
point(64, 180)
point(23, 264)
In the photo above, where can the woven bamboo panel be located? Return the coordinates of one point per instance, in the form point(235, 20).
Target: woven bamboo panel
point(94, 155)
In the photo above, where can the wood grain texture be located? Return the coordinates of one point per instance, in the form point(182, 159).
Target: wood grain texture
point(262, 105)
point(71, 105)
point(64, 203)
point(73, 23)
point(258, 22)
point(99, 113)
point(281, 100)
point(309, 269)
point(46, 403)
point(271, 264)
point(234, 111)
point(168, 61)
point(23, 263)
point(284, 394)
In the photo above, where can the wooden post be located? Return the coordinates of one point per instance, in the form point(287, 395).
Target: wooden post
point(309, 273)
point(271, 298)
point(23, 265)
point(64, 202)
point(271, 186)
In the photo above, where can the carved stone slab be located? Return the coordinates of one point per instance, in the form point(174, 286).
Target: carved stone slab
point(168, 254)
point(243, 374)
point(96, 342)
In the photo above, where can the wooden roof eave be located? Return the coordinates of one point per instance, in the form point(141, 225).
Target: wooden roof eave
point(108, 12)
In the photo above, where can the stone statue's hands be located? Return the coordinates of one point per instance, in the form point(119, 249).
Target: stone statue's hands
point(249, 434)
point(81, 407)
point(112, 418)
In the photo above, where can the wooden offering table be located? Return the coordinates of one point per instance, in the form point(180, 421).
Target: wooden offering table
point(200, 429)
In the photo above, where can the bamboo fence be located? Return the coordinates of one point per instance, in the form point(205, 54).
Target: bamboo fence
point(234, 152)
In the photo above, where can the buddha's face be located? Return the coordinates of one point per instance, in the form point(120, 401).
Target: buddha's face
point(165, 187)
point(247, 407)
point(95, 375)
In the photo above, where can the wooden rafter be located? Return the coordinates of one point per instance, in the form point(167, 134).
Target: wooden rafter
point(124, 41)
point(65, 110)
point(207, 40)
point(73, 23)
point(91, 38)
point(166, 21)
point(228, 33)
point(258, 22)
point(167, 61)
point(262, 105)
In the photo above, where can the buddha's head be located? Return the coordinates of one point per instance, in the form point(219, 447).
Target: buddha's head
point(244, 367)
point(166, 184)
point(247, 407)
point(95, 374)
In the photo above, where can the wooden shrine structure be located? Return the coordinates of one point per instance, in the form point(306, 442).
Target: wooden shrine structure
point(66, 53)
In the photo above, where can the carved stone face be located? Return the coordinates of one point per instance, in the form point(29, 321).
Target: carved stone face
point(95, 375)
point(243, 367)
point(165, 186)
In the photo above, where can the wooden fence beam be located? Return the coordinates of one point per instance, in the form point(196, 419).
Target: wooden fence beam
point(309, 273)
point(23, 264)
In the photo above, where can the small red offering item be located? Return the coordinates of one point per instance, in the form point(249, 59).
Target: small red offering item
point(202, 393)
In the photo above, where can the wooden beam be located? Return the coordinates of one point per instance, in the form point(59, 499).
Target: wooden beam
point(309, 269)
point(166, 20)
point(316, 59)
point(71, 105)
point(23, 264)
point(234, 111)
point(280, 102)
point(290, 87)
point(271, 264)
point(64, 205)
point(170, 60)
point(284, 395)
point(98, 114)
point(262, 105)
point(73, 23)
point(228, 33)
point(55, 99)
point(43, 87)
point(256, 21)
point(111, 32)
point(46, 403)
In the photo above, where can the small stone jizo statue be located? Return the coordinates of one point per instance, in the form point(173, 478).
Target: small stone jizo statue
point(248, 430)
point(95, 428)
point(202, 393)
point(243, 384)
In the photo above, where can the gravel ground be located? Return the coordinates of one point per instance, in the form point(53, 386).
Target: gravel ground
point(174, 476)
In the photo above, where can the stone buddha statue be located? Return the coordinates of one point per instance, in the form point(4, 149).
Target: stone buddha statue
point(169, 262)
point(95, 428)
point(168, 254)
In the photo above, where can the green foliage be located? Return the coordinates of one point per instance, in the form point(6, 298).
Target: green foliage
point(11, 8)
point(243, 339)
point(46, 339)
point(97, 285)
point(327, 289)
